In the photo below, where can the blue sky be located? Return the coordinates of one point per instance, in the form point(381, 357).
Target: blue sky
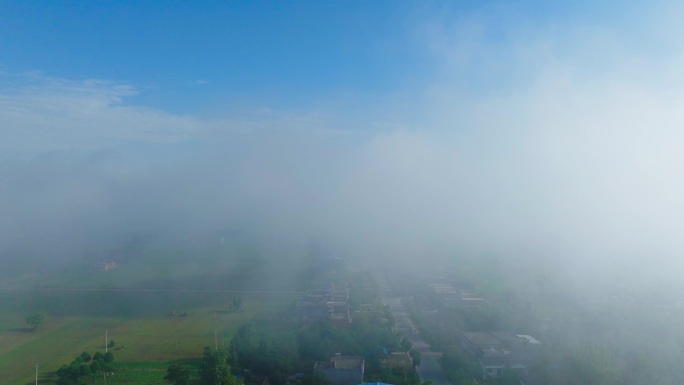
point(198, 52)
point(109, 74)
point(196, 57)
point(516, 121)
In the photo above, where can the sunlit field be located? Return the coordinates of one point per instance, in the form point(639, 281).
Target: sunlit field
point(163, 337)
point(154, 314)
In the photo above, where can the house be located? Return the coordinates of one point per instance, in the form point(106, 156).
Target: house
point(329, 303)
point(341, 370)
point(474, 343)
point(493, 362)
point(469, 299)
point(498, 350)
point(397, 360)
point(447, 294)
point(452, 297)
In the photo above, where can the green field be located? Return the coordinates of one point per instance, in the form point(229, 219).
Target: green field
point(133, 376)
point(162, 306)
point(147, 338)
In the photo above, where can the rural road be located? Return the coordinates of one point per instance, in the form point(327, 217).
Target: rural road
point(430, 368)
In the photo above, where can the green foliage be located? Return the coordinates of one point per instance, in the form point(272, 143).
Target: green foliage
point(232, 380)
point(416, 356)
point(315, 379)
point(391, 376)
point(133, 377)
point(318, 341)
point(509, 377)
point(406, 344)
point(262, 354)
point(95, 366)
point(78, 316)
point(368, 331)
point(363, 289)
point(243, 341)
point(176, 374)
point(35, 319)
point(459, 367)
point(84, 370)
point(237, 303)
point(85, 357)
point(588, 364)
point(108, 357)
point(214, 369)
point(79, 369)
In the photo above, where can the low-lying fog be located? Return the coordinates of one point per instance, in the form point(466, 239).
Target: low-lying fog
point(557, 147)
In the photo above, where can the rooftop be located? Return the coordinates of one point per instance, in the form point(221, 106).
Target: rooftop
point(346, 362)
point(481, 339)
point(529, 339)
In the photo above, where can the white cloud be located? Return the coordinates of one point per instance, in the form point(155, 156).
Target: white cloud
point(39, 114)
point(549, 150)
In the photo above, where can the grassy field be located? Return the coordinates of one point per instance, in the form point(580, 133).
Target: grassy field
point(161, 337)
point(166, 304)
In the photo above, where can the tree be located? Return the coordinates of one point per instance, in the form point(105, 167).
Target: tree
point(111, 344)
point(95, 366)
point(70, 374)
point(85, 357)
point(231, 380)
point(509, 377)
point(237, 303)
point(84, 370)
point(108, 357)
point(35, 319)
point(177, 375)
point(315, 379)
point(416, 356)
point(406, 344)
point(214, 369)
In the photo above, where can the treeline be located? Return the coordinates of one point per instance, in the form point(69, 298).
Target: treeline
point(278, 352)
point(253, 355)
point(214, 369)
point(83, 367)
point(321, 340)
point(256, 352)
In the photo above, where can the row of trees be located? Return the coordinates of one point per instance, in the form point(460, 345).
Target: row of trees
point(294, 348)
point(321, 340)
point(84, 366)
point(214, 370)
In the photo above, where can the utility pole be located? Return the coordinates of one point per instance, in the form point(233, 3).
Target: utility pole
point(215, 340)
point(106, 340)
point(36, 374)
